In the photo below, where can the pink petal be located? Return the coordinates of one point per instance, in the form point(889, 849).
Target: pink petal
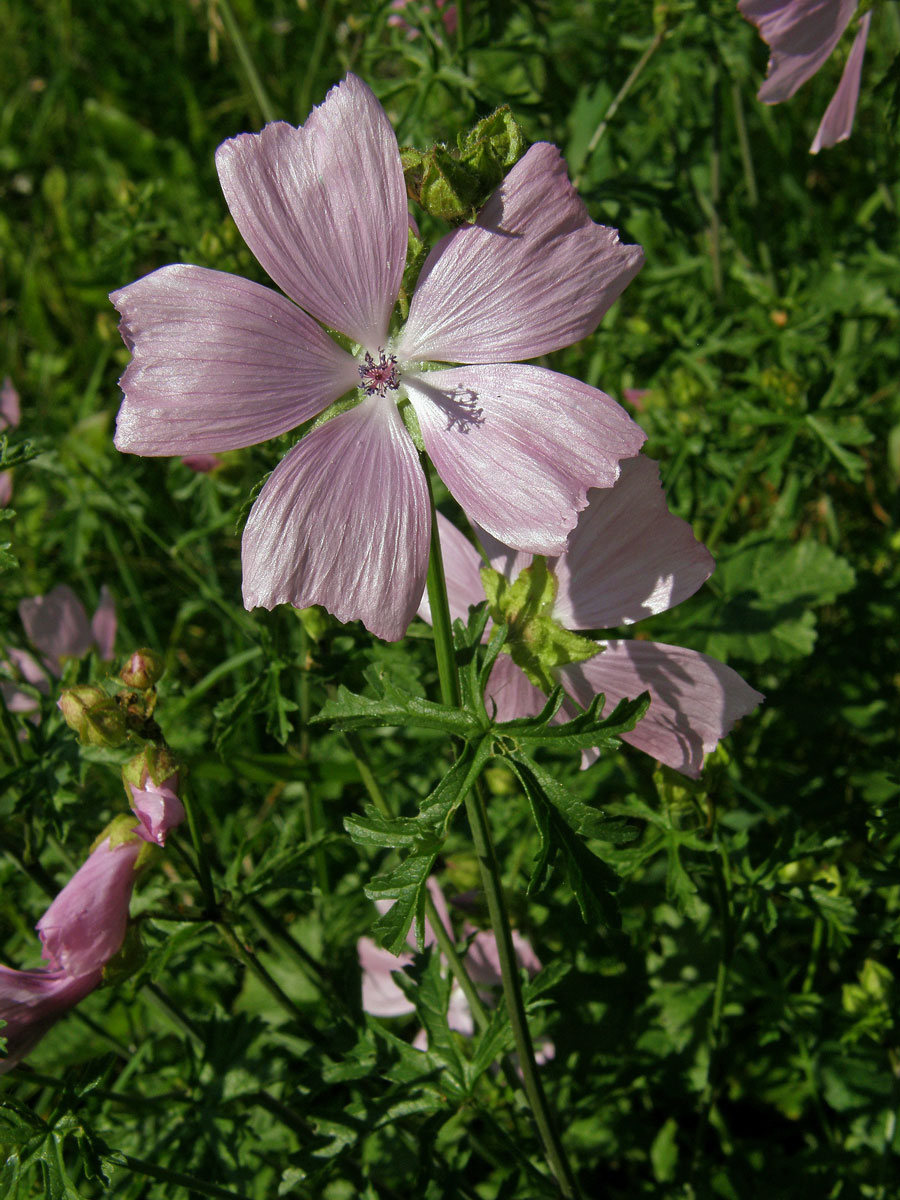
point(104, 624)
point(801, 35)
point(10, 408)
point(380, 995)
point(158, 809)
point(57, 623)
point(628, 556)
point(694, 700)
point(219, 362)
point(837, 124)
point(31, 671)
point(503, 558)
point(483, 960)
point(459, 1015)
point(518, 446)
point(512, 692)
point(324, 209)
point(5, 488)
point(533, 274)
point(344, 521)
point(85, 925)
point(462, 564)
point(31, 1002)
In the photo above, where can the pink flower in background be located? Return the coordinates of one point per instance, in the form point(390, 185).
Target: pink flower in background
point(382, 997)
point(81, 931)
point(801, 35)
point(220, 362)
point(447, 13)
point(10, 416)
point(57, 625)
point(203, 464)
point(158, 809)
point(628, 558)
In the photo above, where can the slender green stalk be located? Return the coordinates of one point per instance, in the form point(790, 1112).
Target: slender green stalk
point(178, 1178)
point(490, 877)
point(315, 55)
point(203, 872)
point(618, 99)
point(252, 963)
point(240, 45)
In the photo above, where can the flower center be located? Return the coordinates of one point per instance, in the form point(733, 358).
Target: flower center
point(376, 377)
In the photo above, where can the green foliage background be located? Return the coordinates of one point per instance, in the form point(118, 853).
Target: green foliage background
point(736, 1037)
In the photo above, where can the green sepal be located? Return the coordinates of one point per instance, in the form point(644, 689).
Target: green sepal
point(537, 642)
point(128, 960)
point(454, 183)
point(415, 257)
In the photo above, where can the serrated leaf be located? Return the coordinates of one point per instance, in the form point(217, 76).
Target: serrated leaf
point(405, 885)
point(429, 988)
point(588, 729)
point(375, 829)
point(348, 710)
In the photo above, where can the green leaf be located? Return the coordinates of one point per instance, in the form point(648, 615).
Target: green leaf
point(348, 710)
point(405, 885)
point(588, 729)
point(428, 985)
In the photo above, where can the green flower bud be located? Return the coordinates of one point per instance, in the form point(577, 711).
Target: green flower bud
point(142, 670)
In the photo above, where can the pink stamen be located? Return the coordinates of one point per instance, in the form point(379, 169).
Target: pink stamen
point(378, 377)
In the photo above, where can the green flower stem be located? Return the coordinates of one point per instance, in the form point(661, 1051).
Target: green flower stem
point(193, 1183)
point(252, 963)
point(203, 872)
point(490, 876)
point(237, 40)
point(618, 99)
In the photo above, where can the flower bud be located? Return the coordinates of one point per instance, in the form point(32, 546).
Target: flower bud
point(142, 670)
point(96, 719)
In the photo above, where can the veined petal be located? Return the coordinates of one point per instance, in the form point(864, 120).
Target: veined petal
point(218, 363)
point(343, 521)
point(533, 273)
point(628, 556)
point(462, 564)
point(837, 124)
point(32, 1001)
point(694, 699)
point(324, 209)
point(518, 446)
point(801, 35)
point(512, 692)
point(57, 623)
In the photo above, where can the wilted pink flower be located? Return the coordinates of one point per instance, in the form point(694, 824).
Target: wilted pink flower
point(10, 416)
point(220, 362)
point(628, 558)
point(801, 35)
point(57, 626)
point(382, 997)
point(158, 809)
point(81, 931)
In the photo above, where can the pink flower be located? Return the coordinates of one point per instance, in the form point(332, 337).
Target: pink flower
point(220, 362)
point(382, 997)
point(628, 558)
point(446, 11)
point(203, 464)
point(81, 931)
point(801, 35)
point(57, 626)
point(10, 416)
point(158, 809)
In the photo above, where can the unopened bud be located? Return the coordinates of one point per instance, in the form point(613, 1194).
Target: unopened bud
point(96, 719)
point(154, 765)
point(142, 670)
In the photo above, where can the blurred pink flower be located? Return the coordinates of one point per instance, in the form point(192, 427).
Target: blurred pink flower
point(628, 558)
point(382, 997)
point(801, 35)
point(81, 931)
point(203, 464)
point(10, 416)
point(158, 809)
point(447, 13)
point(219, 362)
point(57, 626)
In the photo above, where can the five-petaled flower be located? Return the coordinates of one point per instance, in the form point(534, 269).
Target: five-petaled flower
point(801, 35)
point(221, 363)
point(628, 558)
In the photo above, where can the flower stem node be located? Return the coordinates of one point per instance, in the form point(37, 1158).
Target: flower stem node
point(143, 670)
point(537, 642)
point(96, 719)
